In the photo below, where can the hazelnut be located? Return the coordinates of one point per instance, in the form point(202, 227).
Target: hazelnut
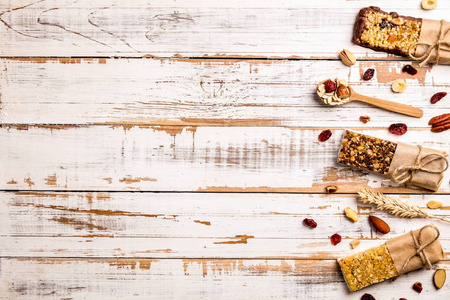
point(343, 92)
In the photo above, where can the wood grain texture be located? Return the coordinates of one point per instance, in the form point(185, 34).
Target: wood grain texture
point(193, 225)
point(177, 158)
point(199, 104)
point(301, 29)
point(23, 278)
point(205, 92)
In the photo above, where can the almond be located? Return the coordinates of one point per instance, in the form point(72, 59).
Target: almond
point(351, 214)
point(355, 243)
point(433, 204)
point(439, 278)
point(379, 225)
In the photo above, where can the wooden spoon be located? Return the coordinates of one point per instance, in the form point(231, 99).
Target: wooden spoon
point(388, 105)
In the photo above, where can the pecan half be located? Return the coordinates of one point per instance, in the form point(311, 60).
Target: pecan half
point(440, 123)
point(441, 128)
point(438, 119)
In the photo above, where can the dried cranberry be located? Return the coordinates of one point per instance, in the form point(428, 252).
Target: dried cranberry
point(438, 96)
point(310, 223)
point(398, 128)
point(368, 74)
point(330, 86)
point(410, 70)
point(367, 297)
point(335, 239)
point(325, 135)
point(402, 299)
point(417, 287)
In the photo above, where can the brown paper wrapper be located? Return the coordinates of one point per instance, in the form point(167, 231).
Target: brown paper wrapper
point(429, 35)
point(406, 155)
point(402, 247)
point(411, 251)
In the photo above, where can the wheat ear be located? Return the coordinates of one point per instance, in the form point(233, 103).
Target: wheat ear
point(395, 206)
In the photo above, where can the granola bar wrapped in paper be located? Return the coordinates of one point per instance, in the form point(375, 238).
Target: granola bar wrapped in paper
point(403, 163)
point(399, 255)
point(423, 40)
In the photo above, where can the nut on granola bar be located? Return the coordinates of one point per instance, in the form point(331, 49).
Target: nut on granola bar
point(366, 152)
point(368, 267)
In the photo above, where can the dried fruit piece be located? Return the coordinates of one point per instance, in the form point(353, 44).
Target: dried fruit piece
point(368, 74)
point(398, 128)
point(379, 225)
point(437, 97)
point(429, 4)
point(433, 204)
point(364, 119)
point(325, 135)
point(399, 86)
point(355, 243)
point(402, 299)
point(392, 38)
point(367, 297)
point(331, 189)
point(439, 278)
point(409, 69)
point(417, 287)
point(335, 239)
point(351, 214)
point(310, 223)
point(347, 57)
point(330, 86)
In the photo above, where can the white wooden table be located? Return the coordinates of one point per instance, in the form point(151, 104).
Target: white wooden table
point(168, 149)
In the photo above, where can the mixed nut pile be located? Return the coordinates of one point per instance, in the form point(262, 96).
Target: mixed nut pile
point(333, 91)
point(336, 92)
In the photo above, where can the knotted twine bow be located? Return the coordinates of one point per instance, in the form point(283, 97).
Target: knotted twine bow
point(438, 46)
point(405, 173)
point(420, 248)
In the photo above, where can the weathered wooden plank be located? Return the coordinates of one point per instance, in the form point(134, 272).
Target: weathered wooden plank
point(177, 158)
point(48, 278)
point(245, 247)
point(249, 28)
point(204, 92)
point(179, 225)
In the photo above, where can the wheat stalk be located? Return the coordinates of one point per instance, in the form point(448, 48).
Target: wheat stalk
point(395, 206)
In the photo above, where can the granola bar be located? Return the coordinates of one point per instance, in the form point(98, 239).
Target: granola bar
point(366, 152)
point(387, 32)
point(366, 268)
point(396, 256)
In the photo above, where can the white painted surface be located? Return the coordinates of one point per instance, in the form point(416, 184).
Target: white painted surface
point(206, 92)
point(209, 141)
point(176, 158)
point(251, 28)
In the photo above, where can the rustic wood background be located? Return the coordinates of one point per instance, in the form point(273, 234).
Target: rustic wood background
point(168, 149)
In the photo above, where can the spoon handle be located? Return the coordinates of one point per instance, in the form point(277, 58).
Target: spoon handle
point(389, 105)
